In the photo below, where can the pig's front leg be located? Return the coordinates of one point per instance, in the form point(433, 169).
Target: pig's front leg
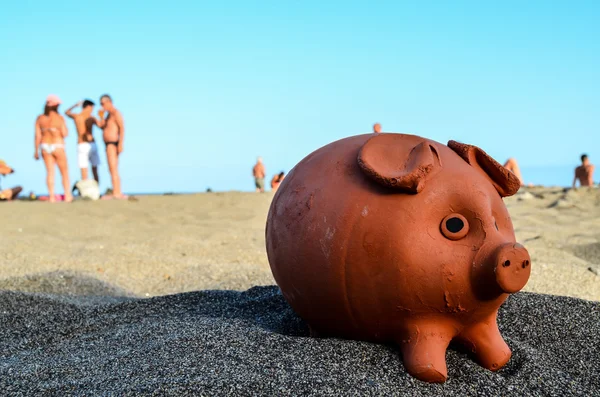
point(424, 350)
point(485, 341)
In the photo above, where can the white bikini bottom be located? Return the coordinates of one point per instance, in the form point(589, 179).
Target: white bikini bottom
point(51, 147)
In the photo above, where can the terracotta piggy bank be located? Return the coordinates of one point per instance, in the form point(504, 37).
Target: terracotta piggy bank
point(397, 238)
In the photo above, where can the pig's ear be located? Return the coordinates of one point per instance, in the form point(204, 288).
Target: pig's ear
point(389, 161)
point(505, 182)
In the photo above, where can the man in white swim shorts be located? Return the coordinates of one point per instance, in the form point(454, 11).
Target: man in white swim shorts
point(87, 151)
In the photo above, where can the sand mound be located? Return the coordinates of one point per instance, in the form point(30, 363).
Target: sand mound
point(525, 195)
point(232, 343)
point(589, 252)
point(583, 198)
point(62, 282)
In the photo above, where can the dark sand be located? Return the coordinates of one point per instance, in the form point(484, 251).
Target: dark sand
point(251, 343)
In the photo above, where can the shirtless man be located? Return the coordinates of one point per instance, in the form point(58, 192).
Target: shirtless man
point(8, 194)
point(114, 134)
point(377, 128)
point(87, 151)
point(259, 174)
point(585, 173)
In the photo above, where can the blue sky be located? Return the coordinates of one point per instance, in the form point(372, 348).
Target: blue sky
point(205, 87)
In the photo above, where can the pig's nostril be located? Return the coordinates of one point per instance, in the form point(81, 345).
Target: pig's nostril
point(512, 267)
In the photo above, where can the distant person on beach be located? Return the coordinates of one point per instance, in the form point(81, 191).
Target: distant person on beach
point(259, 174)
point(377, 128)
point(8, 194)
point(276, 181)
point(512, 165)
point(114, 134)
point(584, 173)
point(50, 133)
point(87, 151)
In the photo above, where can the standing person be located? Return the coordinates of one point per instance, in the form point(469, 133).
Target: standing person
point(377, 128)
point(584, 173)
point(114, 135)
point(87, 151)
point(259, 174)
point(276, 181)
point(50, 133)
point(8, 194)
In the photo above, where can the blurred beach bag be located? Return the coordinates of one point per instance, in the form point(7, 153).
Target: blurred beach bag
point(88, 189)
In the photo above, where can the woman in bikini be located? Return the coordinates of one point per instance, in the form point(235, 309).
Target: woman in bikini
point(50, 133)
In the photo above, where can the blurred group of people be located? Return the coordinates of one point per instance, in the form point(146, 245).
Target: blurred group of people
point(259, 173)
point(584, 174)
point(51, 131)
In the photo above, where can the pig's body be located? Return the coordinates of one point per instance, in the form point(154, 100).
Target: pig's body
point(359, 253)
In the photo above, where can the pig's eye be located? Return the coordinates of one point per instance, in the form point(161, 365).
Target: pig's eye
point(496, 225)
point(454, 227)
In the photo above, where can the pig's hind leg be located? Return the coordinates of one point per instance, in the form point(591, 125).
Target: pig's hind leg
point(424, 348)
point(484, 340)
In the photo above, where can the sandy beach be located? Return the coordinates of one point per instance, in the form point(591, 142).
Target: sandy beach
point(76, 324)
point(162, 245)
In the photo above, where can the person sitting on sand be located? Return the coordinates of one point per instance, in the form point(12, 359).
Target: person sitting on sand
point(377, 128)
point(584, 173)
point(512, 165)
point(50, 133)
point(8, 194)
point(276, 181)
point(87, 151)
point(259, 174)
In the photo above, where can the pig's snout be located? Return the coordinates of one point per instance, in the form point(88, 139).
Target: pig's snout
point(512, 267)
